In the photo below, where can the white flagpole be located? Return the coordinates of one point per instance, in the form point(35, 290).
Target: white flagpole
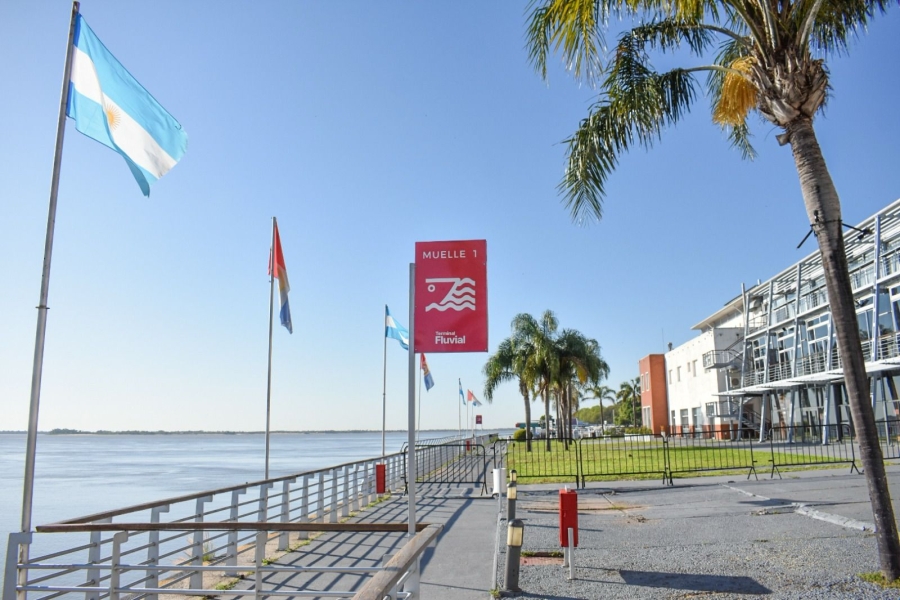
point(41, 330)
point(384, 387)
point(271, 317)
point(411, 420)
point(459, 415)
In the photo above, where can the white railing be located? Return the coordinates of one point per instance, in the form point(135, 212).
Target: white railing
point(207, 543)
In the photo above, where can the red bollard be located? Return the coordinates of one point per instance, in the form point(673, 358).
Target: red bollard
point(468, 445)
point(379, 478)
point(568, 516)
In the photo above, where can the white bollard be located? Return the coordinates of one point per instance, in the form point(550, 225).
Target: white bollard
point(499, 482)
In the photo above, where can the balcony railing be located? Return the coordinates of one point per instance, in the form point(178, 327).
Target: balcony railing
point(716, 359)
point(813, 300)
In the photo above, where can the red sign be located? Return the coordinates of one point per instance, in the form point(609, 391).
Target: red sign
point(451, 296)
point(478, 419)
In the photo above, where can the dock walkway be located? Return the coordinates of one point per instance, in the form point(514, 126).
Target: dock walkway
point(460, 567)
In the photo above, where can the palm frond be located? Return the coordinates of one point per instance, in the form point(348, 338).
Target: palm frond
point(837, 22)
point(739, 136)
point(669, 34)
point(637, 105)
point(574, 27)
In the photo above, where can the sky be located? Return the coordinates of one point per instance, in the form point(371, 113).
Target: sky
point(365, 127)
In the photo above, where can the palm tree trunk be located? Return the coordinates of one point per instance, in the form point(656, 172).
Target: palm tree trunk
point(527, 423)
point(824, 211)
point(546, 394)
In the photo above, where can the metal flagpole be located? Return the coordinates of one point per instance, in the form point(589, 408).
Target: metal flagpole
point(41, 330)
point(271, 313)
point(384, 387)
point(459, 414)
point(411, 421)
point(419, 421)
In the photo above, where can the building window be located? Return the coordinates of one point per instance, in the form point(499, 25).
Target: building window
point(689, 367)
point(670, 376)
point(685, 423)
point(710, 409)
point(695, 368)
point(678, 373)
point(645, 417)
point(673, 420)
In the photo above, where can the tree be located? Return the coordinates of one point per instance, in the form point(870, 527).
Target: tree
point(629, 397)
point(578, 360)
point(770, 62)
point(601, 393)
point(511, 363)
point(543, 361)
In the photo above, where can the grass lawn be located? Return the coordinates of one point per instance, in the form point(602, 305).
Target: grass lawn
point(602, 460)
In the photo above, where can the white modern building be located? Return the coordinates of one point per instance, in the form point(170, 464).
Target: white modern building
point(769, 357)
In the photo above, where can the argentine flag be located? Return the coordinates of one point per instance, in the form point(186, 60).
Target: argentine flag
point(110, 106)
point(393, 329)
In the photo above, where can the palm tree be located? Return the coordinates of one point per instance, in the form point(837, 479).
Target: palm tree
point(601, 393)
point(511, 363)
point(629, 396)
point(768, 59)
point(579, 360)
point(543, 361)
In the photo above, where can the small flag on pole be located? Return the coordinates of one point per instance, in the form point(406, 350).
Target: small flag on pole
point(462, 398)
point(429, 381)
point(471, 398)
point(280, 273)
point(111, 107)
point(393, 329)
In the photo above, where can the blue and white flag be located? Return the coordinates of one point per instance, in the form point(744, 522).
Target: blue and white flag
point(393, 329)
point(462, 397)
point(111, 107)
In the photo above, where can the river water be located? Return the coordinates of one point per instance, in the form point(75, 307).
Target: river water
point(78, 475)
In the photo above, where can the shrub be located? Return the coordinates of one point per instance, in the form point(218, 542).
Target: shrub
point(519, 435)
point(639, 430)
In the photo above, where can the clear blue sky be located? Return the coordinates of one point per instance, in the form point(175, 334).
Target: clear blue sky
point(365, 127)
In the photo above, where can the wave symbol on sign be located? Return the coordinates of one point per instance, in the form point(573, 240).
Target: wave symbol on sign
point(460, 297)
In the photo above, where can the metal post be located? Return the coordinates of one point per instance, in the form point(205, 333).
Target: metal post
point(514, 534)
point(196, 580)
point(115, 573)
point(411, 416)
point(571, 553)
point(354, 503)
point(231, 551)
point(41, 329)
point(262, 536)
point(511, 496)
point(332, 511)
point(153, 550)
point(304, 508)
point(15, 540)
point(271, 317)
point(762, 418)
point(284, 538)
point(320, 503)
point(791, 417)
point(93, 573)
point(345, 505)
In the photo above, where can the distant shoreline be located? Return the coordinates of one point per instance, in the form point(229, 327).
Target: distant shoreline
point(203, 432)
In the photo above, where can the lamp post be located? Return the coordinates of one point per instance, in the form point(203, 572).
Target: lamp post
point(514, 534)
point(511, 500)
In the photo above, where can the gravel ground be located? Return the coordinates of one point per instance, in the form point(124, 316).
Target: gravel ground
point(707, 540)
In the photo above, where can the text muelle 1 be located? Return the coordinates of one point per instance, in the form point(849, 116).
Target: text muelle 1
point(446, 254)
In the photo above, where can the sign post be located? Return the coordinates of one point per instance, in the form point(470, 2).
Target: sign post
point(447, 313)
